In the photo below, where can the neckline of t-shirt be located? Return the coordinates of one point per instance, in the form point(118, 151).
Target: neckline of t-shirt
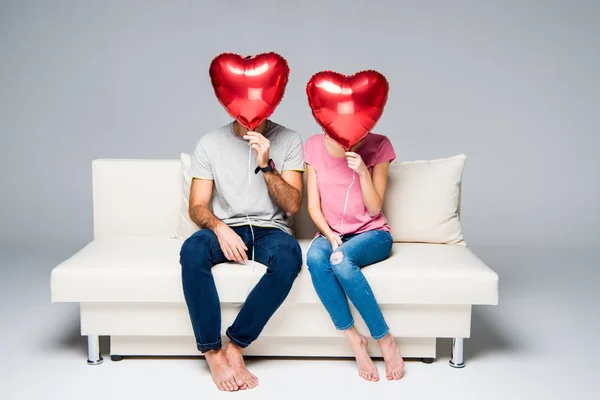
point(327, 151)
point(265, 133)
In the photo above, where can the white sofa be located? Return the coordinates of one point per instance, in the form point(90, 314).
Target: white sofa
point(128, 284)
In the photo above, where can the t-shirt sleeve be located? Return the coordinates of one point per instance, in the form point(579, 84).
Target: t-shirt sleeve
point(294, 158)
point(309, 151)
point(385, 152)
point(200, 164)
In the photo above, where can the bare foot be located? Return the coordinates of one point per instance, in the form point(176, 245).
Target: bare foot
point(394, 364)
point(366, 367)
point(222, 373)
point(243, 377)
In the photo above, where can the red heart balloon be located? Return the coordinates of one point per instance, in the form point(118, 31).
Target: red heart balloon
point(249, 88)
point(347, 107)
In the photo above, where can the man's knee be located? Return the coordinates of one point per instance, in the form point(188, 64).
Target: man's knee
point(197, 246)
point(287, 257)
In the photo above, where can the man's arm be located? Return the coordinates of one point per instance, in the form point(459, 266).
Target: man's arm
point(285, 189)
point(200, 194)
point(231, 243)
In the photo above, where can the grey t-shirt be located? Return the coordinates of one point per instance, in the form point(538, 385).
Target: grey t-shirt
point(222, 156)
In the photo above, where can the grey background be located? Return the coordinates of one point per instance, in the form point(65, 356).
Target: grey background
point(512, 84)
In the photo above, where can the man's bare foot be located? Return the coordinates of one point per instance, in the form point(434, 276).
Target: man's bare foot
point(222, 373)
point(366, 367)
point(243, 377)
point(394, 364)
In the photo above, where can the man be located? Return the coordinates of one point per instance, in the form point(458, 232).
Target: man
point(220, 180)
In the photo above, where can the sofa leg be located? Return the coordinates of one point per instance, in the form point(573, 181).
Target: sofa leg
point(457, 358)
point(94, 357)
point(427, 360)
point(114, 357)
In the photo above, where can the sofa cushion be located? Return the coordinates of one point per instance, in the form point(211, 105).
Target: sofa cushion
point(146, 269)
point(422, 201)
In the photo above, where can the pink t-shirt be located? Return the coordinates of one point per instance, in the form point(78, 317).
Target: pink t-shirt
point(334, 177)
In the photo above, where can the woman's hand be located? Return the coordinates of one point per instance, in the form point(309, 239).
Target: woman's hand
point(356, 163)
point(335, 240)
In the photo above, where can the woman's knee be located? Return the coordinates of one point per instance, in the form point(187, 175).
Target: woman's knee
point(342, 266)
point(317, 260)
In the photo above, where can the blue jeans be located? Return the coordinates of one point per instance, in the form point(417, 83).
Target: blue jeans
point(336, 276)
point(276, 249)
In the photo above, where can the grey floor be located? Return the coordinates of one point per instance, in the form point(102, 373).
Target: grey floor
point(540, 342)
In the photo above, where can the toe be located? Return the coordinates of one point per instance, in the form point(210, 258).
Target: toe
point(231, 386)
point(251, 382)
point(239, 381)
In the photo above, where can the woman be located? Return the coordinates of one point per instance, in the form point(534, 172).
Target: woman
point(345, 199)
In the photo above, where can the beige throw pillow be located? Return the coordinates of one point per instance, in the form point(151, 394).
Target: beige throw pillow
point(422, 202)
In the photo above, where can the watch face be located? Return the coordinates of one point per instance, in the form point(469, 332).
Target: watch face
point(272, 164)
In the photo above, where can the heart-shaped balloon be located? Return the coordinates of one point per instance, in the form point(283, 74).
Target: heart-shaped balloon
point(249, 88)
point(347, 107)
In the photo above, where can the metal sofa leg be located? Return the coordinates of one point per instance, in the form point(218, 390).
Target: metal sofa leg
point(457, 357)
point(94, 357)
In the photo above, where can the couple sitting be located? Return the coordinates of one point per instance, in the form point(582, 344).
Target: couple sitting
point(345, 198)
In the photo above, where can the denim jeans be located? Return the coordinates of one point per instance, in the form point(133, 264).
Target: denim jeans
point(336, 276)
point(274, 248)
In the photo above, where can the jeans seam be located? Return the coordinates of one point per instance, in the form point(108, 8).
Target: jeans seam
point(345, 327)
point(208, 346)
point(235, 341)
point(386, 331)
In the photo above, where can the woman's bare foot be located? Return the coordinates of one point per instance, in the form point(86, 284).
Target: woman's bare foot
point(243, 377)
point(366, 367)
point(394, 364)
point(222, 373)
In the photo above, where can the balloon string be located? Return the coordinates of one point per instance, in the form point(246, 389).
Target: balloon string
point(248, 219)
point(346, 203)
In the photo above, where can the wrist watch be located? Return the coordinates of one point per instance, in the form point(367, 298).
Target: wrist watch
point(270, 167)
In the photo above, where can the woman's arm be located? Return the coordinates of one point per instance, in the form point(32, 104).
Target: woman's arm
point(314, 208)
point(372, 187)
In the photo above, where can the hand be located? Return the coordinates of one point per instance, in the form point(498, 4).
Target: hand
point(356, 163)
point(231, 243)
point(335, 240)
point(261, 145)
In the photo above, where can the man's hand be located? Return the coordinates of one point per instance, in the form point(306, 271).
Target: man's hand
point(261, 145)
point(356, 163)
point(231, 243)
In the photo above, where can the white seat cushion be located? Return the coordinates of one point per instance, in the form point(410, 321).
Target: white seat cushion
point(146, 269)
